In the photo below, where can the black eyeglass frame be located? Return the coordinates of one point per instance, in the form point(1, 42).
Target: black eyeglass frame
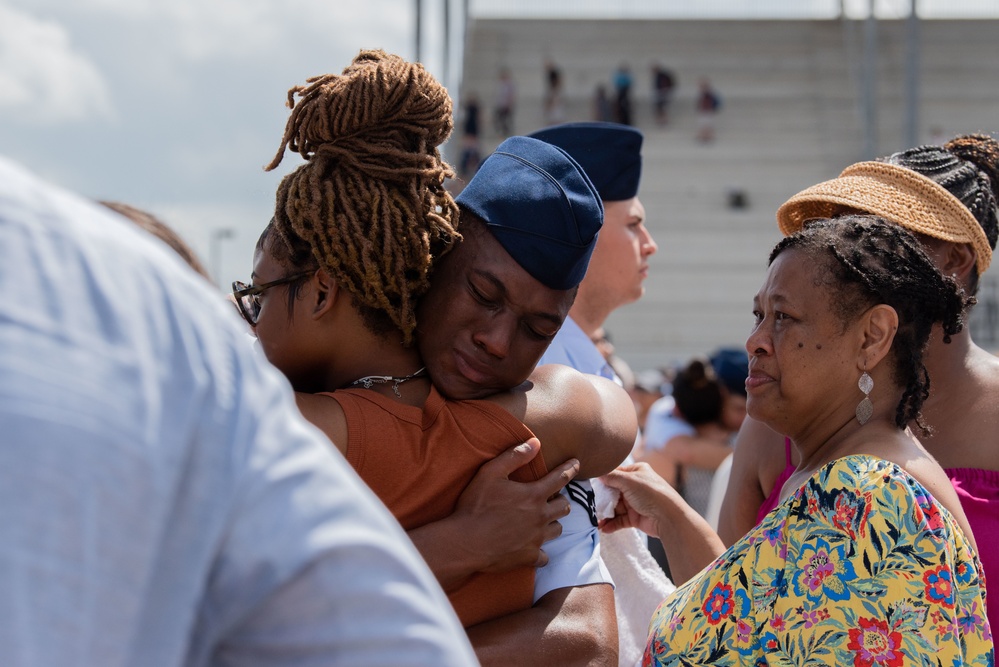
point(241, 290)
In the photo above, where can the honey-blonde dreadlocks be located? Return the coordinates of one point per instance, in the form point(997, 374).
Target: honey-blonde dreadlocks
point(370, 201)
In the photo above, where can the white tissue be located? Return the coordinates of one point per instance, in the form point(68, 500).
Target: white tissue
point(605, 499)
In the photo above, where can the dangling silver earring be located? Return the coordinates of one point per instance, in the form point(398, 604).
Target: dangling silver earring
point(865, 408)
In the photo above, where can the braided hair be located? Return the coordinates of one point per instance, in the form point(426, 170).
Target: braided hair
point(869, 261)
point(369, 205)
point(967, 167)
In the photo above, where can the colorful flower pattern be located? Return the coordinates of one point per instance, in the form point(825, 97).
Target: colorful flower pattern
point(719, 604)
point(939, 586)
point(861, 566)
point(874, 643)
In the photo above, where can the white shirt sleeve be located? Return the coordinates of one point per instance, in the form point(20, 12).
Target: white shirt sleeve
point(574, 556)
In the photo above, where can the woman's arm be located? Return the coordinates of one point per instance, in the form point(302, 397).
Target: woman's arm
point(757, 447)
point(654, 507)
point(706, 449)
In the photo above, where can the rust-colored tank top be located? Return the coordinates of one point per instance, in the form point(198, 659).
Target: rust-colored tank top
point(419, 460)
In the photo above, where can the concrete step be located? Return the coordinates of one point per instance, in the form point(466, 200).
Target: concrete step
point(791, 118)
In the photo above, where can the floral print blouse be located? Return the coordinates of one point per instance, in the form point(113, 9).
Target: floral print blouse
point(861, 566)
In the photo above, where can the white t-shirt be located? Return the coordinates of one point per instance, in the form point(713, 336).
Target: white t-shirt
point(662, 424)
point(162, 501)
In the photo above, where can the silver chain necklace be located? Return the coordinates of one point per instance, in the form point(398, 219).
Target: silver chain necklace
point(368, 380)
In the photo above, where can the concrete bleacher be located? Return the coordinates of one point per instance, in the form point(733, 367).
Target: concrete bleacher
point(791, 117)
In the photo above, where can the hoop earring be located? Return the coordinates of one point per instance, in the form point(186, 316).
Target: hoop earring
point(865, 408)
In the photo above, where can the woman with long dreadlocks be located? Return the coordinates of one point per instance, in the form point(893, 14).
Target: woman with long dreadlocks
point(354, 238)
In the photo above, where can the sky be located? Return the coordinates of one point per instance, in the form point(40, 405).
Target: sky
point(174, 106)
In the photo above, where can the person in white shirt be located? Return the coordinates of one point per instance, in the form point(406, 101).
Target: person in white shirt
point(162, 501)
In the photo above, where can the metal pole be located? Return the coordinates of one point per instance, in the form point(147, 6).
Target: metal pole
point(912, 78)
point(870, 84)
point(417, 27)
point(215, 251)
point(447, 43)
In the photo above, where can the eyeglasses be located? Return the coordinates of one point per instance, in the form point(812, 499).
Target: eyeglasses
point(248, 296)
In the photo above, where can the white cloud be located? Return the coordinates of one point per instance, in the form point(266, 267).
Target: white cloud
point(42, 78)
point(204, 29)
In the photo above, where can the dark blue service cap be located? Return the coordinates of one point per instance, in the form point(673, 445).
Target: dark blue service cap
point(731, 365)
point(610, 154)
point(540, 206)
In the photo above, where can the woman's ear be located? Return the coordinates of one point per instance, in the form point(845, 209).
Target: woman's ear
point(327, 291)
point(958, 262)
point(880, 325)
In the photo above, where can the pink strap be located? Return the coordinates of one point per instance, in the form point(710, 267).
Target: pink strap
point(774, 498)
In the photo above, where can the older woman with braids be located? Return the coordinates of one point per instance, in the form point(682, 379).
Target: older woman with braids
point(868, 560)
point(338, 273)
point(947, 196)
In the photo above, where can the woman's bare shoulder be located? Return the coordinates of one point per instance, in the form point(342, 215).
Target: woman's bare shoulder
point(324, 412)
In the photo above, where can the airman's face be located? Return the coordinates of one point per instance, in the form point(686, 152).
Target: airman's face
point(485, 322)
point(620, 261)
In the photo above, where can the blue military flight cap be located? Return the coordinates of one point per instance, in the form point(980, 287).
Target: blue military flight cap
point(610, 154)
point(540, 205)
point(731, 366)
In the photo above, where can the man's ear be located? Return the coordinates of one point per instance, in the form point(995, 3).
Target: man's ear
point(880, 326)
point(327, 292)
